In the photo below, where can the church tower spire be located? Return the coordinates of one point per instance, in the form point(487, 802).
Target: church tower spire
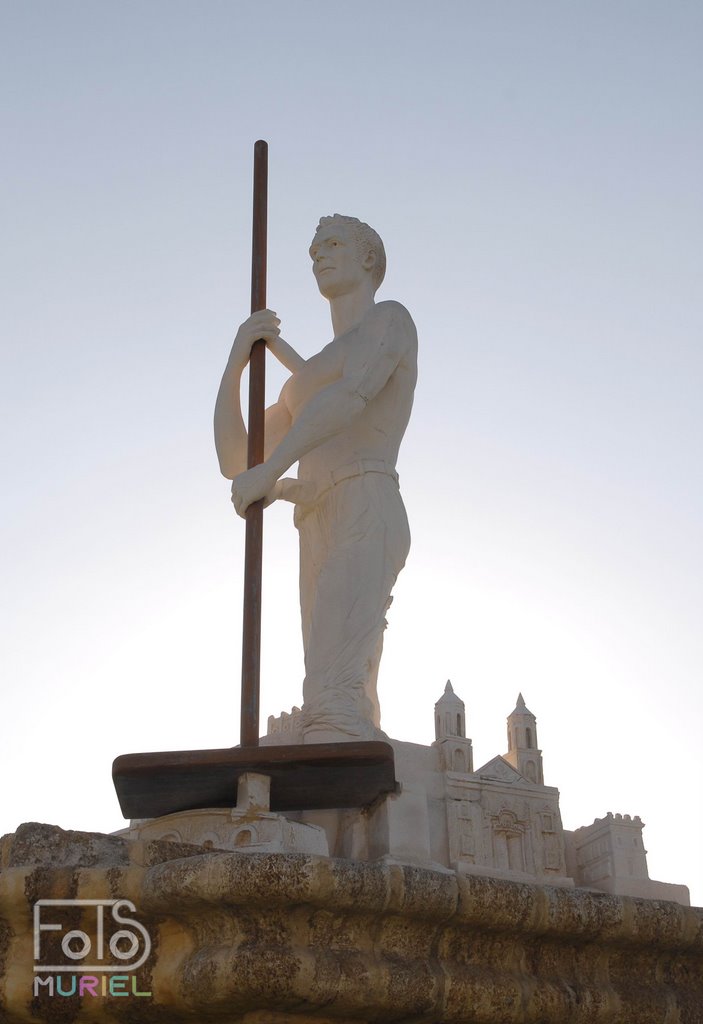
point(449, 714)
point(523, 752)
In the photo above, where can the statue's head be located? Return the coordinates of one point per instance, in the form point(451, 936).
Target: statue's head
point(368, 244)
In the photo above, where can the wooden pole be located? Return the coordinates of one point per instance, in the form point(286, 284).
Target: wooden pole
point(251, 632)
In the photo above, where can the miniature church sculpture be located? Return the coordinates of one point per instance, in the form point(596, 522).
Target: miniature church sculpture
point(498, 820)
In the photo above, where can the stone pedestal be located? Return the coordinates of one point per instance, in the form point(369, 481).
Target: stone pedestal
point(250, 827)
point(283, 938)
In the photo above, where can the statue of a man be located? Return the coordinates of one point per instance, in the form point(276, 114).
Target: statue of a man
point(341, 416)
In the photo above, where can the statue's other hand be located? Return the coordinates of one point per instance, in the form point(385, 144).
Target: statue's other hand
point(263, 324)
point(250, 486)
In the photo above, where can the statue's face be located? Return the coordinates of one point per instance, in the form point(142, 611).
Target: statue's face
point(336, 263)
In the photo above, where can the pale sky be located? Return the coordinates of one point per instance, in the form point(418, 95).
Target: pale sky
point(534, 169)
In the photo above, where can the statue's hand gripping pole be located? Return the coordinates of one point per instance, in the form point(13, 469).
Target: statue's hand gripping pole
point(251, 632)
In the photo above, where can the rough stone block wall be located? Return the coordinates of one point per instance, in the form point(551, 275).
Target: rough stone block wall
point(277, 938)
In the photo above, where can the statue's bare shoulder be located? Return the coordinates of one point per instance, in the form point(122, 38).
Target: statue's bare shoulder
point(394, 332)
point(390, 315)
point(385, 343)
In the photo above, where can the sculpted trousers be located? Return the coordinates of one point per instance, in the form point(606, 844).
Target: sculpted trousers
point(353, 543)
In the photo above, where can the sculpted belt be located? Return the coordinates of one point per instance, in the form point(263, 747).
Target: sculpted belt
point(358, 469)
point(306, 493)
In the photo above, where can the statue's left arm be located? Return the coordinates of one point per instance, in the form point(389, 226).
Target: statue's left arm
point(230, 432)
point(386, 337)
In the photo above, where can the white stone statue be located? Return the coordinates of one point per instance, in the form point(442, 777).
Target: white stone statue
point(341, 416)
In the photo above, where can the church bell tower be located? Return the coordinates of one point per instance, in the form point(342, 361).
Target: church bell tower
point(455, 747)
point(523, 753)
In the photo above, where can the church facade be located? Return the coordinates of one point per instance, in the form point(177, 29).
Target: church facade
point(502, 819)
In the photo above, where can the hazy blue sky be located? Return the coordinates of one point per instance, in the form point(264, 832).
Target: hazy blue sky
point(534, 169)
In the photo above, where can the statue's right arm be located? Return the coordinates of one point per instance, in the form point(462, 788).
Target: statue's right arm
point(230, 432)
